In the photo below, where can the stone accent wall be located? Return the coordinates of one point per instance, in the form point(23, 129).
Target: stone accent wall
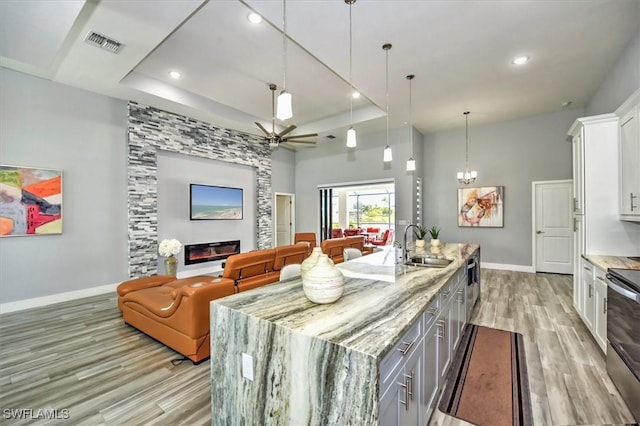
point(150, 130)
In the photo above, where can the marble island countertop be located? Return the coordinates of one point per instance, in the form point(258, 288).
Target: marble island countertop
point(380, 302)
point(279, 359)
point(605, 262)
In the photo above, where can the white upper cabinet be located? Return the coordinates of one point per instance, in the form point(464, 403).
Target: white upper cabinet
point(629, 148)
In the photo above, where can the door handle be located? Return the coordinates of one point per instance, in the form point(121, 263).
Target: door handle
point(539, 232)
point(575, 225)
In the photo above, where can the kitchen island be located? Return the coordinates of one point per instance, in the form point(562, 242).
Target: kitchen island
point(278, 358)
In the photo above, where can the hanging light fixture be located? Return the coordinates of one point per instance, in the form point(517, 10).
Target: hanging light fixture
point(284, 109)
point(351, 133)
point(388, 154)
point(411, 163)
point(467, 177)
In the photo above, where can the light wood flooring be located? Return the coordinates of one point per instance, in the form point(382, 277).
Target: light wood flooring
point(79, 356)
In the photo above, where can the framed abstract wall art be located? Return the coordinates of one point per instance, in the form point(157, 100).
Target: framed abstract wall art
point(30, 201)
point(481, 207)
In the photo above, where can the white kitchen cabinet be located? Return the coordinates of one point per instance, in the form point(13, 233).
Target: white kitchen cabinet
point(597, 224)
point(578, 173)
point(594, 295)
point(587, 294)
point(600, 308)
point(578, 248)
point(629, 160)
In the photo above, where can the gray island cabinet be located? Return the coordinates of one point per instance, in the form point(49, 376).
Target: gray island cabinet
point(378, 355)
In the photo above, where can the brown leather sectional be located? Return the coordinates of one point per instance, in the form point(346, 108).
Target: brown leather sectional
point(334, 247)
point(176, 311)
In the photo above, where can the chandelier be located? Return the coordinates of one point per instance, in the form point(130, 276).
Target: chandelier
point(467, 176)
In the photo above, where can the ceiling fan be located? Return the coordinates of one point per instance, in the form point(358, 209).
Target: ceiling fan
point(278, 139)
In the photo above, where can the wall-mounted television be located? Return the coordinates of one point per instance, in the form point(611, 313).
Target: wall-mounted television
point(208, 202)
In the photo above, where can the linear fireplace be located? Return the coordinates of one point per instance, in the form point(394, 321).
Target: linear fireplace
point(207, 252)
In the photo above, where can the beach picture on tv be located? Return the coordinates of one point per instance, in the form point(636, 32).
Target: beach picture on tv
point(215, 202)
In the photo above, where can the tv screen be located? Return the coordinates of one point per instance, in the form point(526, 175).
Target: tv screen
point(215, 202)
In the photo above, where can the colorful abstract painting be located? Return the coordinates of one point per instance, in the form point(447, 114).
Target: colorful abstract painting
point(480, 207)
point(30, 201)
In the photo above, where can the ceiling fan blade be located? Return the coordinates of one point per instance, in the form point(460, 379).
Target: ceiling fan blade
point(297, 141)
point(263, 129)
point(287, 130)
point(308, 135)
point(288, 146)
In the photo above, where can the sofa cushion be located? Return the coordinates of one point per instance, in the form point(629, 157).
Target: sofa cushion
point(246, 265)
point(286, 255)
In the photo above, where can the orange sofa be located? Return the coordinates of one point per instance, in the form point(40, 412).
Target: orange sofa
point(334, 247)
point(176, 311)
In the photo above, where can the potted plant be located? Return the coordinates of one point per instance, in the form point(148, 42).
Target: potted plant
point(420, 233)
point(434, 232)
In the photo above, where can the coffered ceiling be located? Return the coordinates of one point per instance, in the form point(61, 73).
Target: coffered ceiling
point(459, 50)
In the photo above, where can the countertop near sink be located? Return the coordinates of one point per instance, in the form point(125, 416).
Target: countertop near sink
point(311, 363)
point(605, 262)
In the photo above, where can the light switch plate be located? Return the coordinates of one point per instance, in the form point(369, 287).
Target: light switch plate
point(247, 366)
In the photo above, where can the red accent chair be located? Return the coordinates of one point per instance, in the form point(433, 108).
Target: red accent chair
point(337, 233)
point(352, 232)
point(387, 239)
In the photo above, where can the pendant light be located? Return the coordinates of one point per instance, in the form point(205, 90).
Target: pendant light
point(411, 163)
point(351, 133)
point(284, 108)
point(388, 154)
point(467, 177)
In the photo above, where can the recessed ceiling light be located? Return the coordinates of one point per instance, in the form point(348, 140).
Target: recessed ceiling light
point(566, 104)
point(520, 60)
point(355, 94)
point(175, 74)
point(254, 18)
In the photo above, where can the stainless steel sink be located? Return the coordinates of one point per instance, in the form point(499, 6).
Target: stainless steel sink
point(428, 262)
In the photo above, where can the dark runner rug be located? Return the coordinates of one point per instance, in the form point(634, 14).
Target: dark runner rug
point(487, 383)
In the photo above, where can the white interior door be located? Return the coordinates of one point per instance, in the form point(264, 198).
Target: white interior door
point(553, 230)
point(284, 219)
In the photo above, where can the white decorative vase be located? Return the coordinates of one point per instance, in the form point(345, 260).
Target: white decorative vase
point(310, 261)
point(323, 283)
point(420, 243)
point(435, 243)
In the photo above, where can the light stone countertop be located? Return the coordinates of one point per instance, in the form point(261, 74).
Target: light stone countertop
point(606, 262)
point(380, 302)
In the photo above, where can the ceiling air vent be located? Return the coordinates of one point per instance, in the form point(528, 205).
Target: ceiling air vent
point(103, 42)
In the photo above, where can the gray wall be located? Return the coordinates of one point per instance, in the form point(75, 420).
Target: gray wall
point(283, 171)
point(49, 125)
point(331, 162)
point(510, 154)
point(175, 173)
point(621, 81)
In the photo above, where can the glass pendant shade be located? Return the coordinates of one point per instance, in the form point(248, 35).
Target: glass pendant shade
point(351, 138)
point(388, 154)
point(411, 164)
point(284, 110)
point(467, 176)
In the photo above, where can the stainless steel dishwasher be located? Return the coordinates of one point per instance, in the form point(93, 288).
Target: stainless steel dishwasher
point(473, 282)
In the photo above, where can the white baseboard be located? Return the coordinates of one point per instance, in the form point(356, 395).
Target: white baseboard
point(505, 267)
point(37, 302)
